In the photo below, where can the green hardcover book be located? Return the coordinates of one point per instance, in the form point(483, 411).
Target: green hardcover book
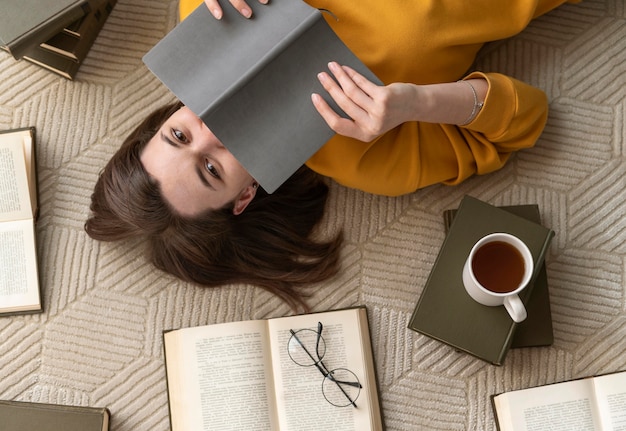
point(26, 23)
point(76, 46)
point(446, 312)
point(537, 329)
point(26, 416)
point(64, 54)
point(63, 66)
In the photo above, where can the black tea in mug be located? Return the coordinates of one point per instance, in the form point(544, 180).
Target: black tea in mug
point(498, 266)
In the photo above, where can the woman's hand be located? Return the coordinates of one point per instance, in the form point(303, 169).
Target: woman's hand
point(373, 109)
point(240, 5)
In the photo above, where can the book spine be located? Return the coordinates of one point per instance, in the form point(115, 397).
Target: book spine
point(61, 44)
point(52, 62)
point(529, 289)
point(67, 66)
point(47, 29)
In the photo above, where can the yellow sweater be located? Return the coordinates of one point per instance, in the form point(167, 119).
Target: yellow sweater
point(425, 42)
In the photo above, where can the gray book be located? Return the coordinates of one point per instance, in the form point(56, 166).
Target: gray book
point(251, 81)
point(26, 23)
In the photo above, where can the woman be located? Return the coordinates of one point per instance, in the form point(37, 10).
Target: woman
point(207, 221)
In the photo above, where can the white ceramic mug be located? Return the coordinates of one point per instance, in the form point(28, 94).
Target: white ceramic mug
point(497, 267)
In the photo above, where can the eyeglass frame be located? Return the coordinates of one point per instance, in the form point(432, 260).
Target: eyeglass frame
point(323, 369)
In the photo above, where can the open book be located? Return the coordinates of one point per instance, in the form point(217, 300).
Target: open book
point(246, 375)
point(251, 80)
point(19, 280)
point(594, 404)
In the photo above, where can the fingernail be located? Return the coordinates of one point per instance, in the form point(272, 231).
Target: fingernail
point(217, 13)
point(246, 12)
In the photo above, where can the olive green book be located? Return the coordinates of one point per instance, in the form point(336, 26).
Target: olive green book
point(76, 43)
point(537, 329)
point(64, 53)
point(27, 416)
point(26, 23)
point(446, 312)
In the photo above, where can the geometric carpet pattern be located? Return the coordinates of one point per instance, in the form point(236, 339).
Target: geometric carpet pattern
point(98, 341)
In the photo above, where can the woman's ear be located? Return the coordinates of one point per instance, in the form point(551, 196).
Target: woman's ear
point(245, 198)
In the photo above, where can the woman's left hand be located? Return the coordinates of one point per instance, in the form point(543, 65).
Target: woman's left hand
point(373, 109)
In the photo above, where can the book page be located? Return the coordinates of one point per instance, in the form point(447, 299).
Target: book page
point(301, 403)
point(15, 198)
point(566, 406)
point(31, 174)
point(219, 377)
point(611, 398)
point(19, 280)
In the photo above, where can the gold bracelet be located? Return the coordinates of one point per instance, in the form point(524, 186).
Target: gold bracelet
point(477, 105)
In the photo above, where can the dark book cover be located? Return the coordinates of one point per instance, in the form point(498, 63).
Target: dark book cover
point(251, 80)
point(65, 58)
point(26, 23)
point(63, 66)
point(74, 29)
point(76, 45)
point(537, 329)
point(27, 416)
point(446, 312)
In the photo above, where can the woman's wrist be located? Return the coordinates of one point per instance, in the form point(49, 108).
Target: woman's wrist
point(449, 103)
point(477, 106)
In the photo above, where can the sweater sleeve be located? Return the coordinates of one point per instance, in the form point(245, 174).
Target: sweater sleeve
point(415, 155)
point(513, 117)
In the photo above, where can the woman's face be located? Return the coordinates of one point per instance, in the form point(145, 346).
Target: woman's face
point(194, 170)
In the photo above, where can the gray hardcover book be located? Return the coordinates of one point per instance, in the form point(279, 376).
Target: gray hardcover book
point(251, 81)
point(26, 23)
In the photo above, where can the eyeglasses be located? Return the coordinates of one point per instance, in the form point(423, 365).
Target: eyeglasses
point(340, 386)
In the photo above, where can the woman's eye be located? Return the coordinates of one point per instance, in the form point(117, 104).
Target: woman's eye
point(211, 168)
point(179, 136)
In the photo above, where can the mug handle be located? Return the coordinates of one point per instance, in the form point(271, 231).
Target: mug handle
point(515, 307)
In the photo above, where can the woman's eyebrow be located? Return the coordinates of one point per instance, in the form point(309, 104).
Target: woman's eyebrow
point(203, 179)
point(165, 138)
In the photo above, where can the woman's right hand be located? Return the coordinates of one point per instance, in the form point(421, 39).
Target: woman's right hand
point(240, 5)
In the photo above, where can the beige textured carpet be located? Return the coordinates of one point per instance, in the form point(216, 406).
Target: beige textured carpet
point(99, 340)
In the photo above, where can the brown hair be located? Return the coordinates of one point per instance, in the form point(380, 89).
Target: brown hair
point(270, 244)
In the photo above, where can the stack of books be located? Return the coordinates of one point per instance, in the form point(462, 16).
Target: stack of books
point(448, 314)
point(54, 34)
